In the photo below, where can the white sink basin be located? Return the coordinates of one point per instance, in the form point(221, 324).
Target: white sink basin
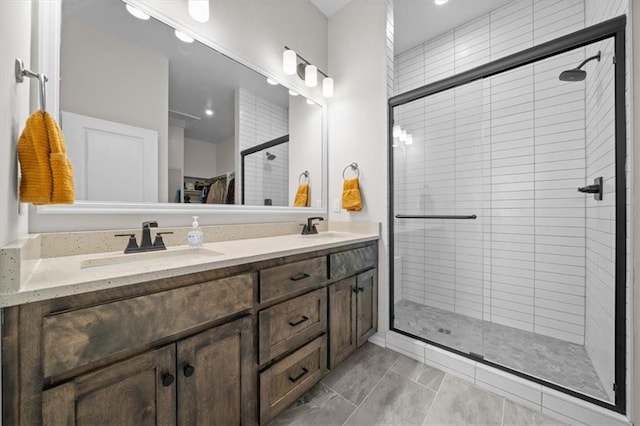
point(164, 255)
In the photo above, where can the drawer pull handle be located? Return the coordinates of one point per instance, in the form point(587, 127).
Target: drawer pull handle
point(358, 290)
point(293, 324)
point(299, 376)
point(188, 370)
point(299, 277)
point(167, 379)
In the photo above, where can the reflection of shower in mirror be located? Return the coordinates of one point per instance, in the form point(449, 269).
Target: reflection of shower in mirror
point(270, 156)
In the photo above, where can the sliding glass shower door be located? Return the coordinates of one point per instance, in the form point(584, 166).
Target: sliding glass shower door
point(507, 231)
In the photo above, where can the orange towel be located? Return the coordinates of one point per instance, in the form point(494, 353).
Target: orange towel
point(47, 175)
point(302, 196)
point(351, 199)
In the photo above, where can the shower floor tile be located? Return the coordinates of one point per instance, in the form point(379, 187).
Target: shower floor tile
point(548, 358)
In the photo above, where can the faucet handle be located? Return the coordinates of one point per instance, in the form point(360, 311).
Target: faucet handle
point(132, 244)
point(150, 224)
point(158, 241)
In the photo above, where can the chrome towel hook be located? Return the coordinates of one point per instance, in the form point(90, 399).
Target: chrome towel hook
point(22, 72)
point(303, 175)
point(353, 167)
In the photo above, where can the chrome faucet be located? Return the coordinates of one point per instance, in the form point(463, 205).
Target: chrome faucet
point(145, 244)
point(310, 227)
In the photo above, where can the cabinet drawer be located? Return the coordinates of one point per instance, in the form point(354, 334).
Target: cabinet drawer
point(77, 338)
point(292, 278)
point(349, 262)
point(283, 383)
point(292, 323)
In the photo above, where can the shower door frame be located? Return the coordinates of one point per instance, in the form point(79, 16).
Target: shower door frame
point(612, 28)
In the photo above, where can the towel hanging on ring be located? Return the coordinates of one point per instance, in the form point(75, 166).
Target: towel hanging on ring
point(351, 197)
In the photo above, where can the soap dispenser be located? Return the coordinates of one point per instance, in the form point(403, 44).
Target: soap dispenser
point(195, 236)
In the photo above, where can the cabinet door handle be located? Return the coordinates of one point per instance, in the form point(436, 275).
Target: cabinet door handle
point(293, 324)
point(167, 379)
point(299, 376)
point(188, 370)
point(358, 290)
point(299, 277)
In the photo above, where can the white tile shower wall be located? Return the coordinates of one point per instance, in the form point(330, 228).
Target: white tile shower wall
point(600, 256)
point(511, 150)
point(260, 122)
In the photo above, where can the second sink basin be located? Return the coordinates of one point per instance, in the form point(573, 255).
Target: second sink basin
point(165, 255)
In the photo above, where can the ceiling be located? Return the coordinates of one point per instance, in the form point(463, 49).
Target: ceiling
point(329, 7)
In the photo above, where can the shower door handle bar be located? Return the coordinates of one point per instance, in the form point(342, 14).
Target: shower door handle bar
point(431, 216)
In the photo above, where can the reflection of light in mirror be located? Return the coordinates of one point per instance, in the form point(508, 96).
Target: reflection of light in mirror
point(209, 112)
point(289, 62)
point(183, 37)
point(199, 10)
point(440, 2)
point(311, 75)
point(292, 93)
point(327, 87)
point(409, 140)
point(137, 13)
point(272, 81)
point(310, 102)
point(396, 131)
point(403, 135)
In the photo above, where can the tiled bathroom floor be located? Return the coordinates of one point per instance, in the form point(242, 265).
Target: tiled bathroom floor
point(376, 386)
point(555, 360)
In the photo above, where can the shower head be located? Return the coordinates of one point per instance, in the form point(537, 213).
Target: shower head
point(576, 74)
point(270, 156)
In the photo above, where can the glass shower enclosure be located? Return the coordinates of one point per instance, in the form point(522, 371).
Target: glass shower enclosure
point(507, 224)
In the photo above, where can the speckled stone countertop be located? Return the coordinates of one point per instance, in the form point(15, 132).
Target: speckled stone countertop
point(33, 278)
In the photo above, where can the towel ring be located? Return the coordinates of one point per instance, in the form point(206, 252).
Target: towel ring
point(352, 166)
point(304, 174)
point(21, 72)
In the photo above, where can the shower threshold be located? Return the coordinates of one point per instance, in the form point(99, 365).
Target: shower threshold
point(554, 360)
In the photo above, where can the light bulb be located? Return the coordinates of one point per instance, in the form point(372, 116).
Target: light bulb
point(327, 87)
point(292, 93)
point(396, 131)
point(209, 112)
point(289, 62)
point(403, 135)
point(137, 12)
point(183, 37)
point(311, 76)
point(199, 10)
point(272, 81)
point(440, 2)
point(409, 140)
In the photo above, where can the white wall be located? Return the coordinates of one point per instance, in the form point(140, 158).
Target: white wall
point(199, 159)
point(358, 121)
point(225, 156)
point(15, 41)
point(305, 148)
point(93, 83)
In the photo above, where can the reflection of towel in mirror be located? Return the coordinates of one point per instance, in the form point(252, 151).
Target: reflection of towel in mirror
point(351, 199)
point(302, 196)
point(47, 175)
point(216, 193)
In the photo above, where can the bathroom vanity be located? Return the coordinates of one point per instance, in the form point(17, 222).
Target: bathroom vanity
point(234, 344)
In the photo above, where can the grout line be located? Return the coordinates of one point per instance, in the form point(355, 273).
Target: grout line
point(370, 392)
point(504, 403)
point(338, 393)
point(434, 399)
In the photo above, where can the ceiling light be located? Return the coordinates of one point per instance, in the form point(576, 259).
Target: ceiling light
point(199, 10)
point(327, 87)
point(409, 140)
point(440, 2)
point(209, 112)
point(396, 131)
point(289, 62)
point(403, 135)
point(310, 102)
point(272, 81)
point(137, 12)
point(311, 75)
point(183, 37)
point(292, 93)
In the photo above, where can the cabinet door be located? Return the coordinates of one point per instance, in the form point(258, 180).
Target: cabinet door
point(217, 376)
point(138, 391)
point(342, 320)
point(367, 301)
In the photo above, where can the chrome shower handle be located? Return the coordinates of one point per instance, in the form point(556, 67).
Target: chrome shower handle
point(596, 188)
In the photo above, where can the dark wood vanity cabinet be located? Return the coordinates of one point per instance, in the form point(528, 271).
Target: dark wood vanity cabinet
point(205, 379)
point(227, 346)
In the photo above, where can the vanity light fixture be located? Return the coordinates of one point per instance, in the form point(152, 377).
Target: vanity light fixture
point(409, 140)
point(137, 12)
point(403, 135)
point(183, 37)
point(292, 93)
point(198, 10)
point(396, 131)
point(272, 81)
point(293, 63)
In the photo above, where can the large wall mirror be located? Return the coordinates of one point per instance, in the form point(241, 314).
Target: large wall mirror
point(151, 116)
